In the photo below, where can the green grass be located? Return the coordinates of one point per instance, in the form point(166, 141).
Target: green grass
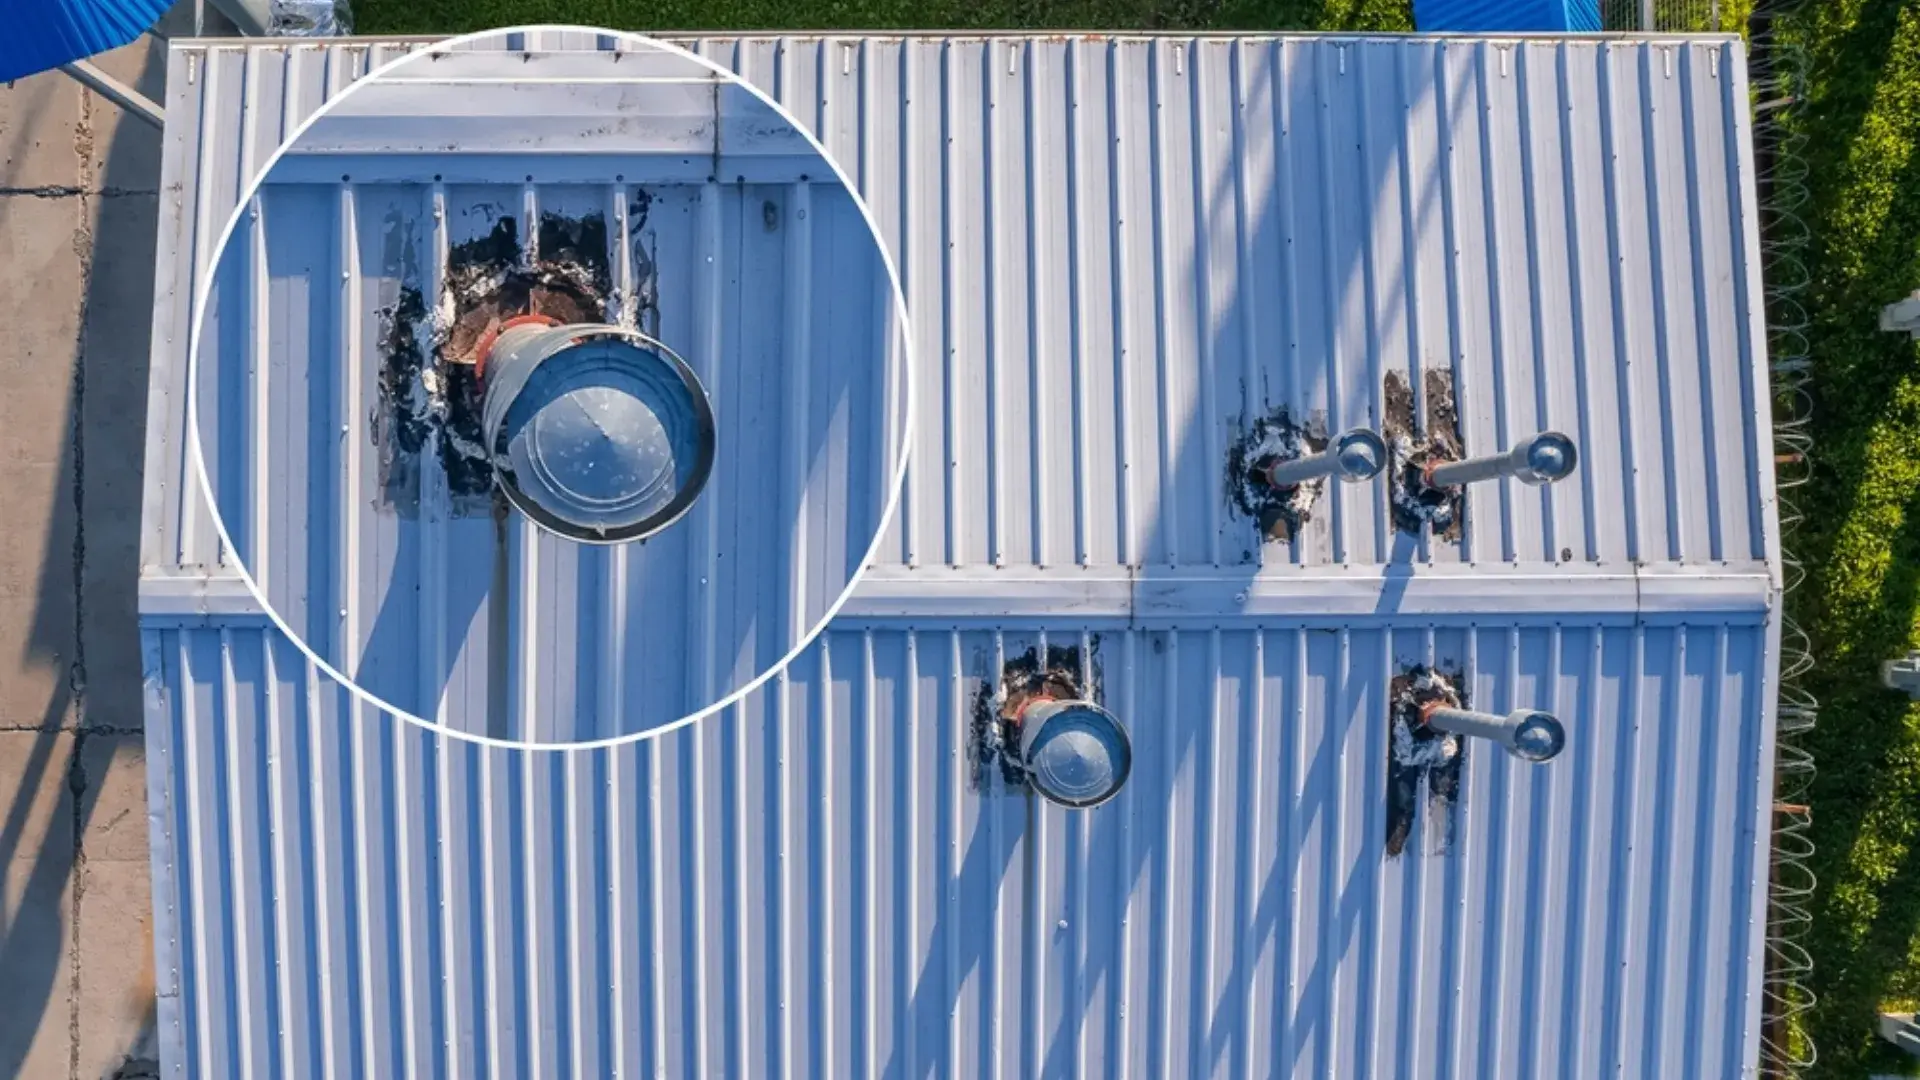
point(466, 16)
point(1861, 540)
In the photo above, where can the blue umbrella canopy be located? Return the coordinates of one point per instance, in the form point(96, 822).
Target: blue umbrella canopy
point(43, 34)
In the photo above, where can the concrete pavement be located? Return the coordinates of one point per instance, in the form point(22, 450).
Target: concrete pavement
point(78, 198)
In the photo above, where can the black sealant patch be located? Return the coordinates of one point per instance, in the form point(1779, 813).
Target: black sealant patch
point(431, 398)
point(640, 308)
point(1419, 757)
point(1063, 673)
point(402, 420)
point(1279, 512)
point(1415, 503)
point(462, 449)
point(494, 278)
point(572, 267)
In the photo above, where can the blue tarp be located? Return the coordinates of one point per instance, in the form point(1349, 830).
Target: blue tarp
point(1506, 16)
point(43, 34)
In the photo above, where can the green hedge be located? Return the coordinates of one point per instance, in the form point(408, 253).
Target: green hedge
point(1861, 540)
point(463, 16)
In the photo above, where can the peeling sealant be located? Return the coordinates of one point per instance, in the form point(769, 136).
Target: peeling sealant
point(1415, 504)
point(1064, 673)
point(430, 395)
point(1279, 512)
point(1421, 759)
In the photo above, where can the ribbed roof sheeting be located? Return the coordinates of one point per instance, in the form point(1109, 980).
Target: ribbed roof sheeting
point(387, 559)
point(375, 541)
point(1091, 231)
point(41, 37)
point(1168, 235)
point(808, 885)
point(1118, 251)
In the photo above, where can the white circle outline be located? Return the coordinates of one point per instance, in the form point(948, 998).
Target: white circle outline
point(196, 455)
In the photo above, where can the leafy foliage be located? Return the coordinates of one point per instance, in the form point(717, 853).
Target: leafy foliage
point(1861, 540)
point(466, 16)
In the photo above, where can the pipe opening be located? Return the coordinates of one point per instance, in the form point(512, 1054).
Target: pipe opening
point(596, 433)
point(1076, 753)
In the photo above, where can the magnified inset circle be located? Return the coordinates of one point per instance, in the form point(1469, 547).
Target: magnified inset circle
point(550, 387)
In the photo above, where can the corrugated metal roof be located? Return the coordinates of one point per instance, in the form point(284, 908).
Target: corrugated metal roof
point(808, 884)
point(340, 422)
point(1092, 232)
point(1119, 254)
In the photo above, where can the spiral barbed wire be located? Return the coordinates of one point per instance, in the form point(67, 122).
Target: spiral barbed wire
point(1777, 72)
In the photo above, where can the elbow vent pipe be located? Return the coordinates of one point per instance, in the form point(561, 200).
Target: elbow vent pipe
point(1076, 754)
point(1541, 458)
point(1528, 734)
point(596, 433)
point(1356, 455)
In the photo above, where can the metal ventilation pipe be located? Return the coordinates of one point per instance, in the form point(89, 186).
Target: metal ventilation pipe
point(136, 103)
point(1076, 753)
point(1538, 459)
point(1526, 733)
point(597, 433)
point(1355, 456)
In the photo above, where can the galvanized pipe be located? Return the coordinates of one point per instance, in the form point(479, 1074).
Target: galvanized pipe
point(1538, 459)
point(1077, 754)
point(597, 433)
point(136, 103)
point(1355, 456)
point(1526, 733)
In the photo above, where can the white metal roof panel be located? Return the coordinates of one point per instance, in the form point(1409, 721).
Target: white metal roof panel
point(339, 415)
point(811, 885)
point(1092, 232)
point(1101, 251)
point(383, 554)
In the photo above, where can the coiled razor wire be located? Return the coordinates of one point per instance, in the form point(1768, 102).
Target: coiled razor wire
point(1777, 75)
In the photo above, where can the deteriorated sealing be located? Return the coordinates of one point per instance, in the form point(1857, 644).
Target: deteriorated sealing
point(1417, 505)
point(1061, 672)
point(1279, 510)
point(429, 391)
point(1423, 761)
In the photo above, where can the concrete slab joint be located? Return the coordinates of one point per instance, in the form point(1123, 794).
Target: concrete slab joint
point(79, 179)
